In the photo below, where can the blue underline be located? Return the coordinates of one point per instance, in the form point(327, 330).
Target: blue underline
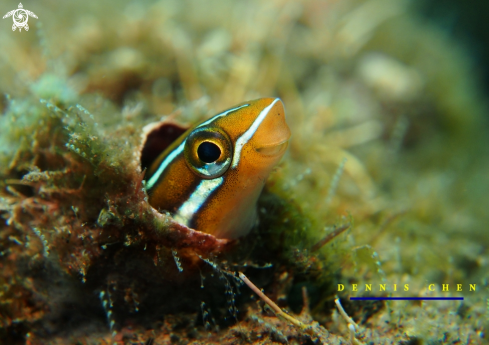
point(406, 298)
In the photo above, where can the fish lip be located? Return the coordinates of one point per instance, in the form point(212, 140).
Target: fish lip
point(269, 147)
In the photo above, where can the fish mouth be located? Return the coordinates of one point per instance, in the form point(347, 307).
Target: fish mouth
point(272, 136)
point(273, 149)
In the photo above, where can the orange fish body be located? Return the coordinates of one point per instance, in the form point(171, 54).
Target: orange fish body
point(210, 178)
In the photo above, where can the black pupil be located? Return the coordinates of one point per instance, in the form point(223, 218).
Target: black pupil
point(208, 152)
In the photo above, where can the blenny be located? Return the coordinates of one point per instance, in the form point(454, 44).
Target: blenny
point(210, 178)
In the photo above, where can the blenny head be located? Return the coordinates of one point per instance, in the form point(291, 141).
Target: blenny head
point(210, 178)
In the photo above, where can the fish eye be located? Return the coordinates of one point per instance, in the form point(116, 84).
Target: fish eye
point(208, 152)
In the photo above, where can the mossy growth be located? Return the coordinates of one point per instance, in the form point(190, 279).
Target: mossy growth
point(75, 211)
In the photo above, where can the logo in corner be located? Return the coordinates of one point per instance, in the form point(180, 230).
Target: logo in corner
point(20, 17)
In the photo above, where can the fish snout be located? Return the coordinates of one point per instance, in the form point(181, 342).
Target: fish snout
point(273, 134)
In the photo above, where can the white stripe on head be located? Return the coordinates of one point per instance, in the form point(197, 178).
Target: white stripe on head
point(164, 164)
point(224, 113)
point(152, 181)
point(243, 139)
point(198, 198)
